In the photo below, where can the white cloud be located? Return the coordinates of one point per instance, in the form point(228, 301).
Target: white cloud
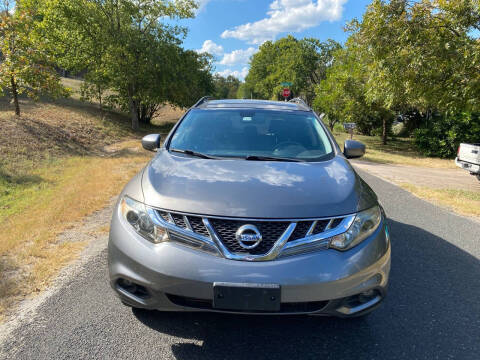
point(238, 57)
point(210, 47)
point(238, 74)
point(202, 4)
point(287, 16)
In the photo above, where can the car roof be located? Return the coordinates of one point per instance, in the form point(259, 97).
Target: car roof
point(251, 104)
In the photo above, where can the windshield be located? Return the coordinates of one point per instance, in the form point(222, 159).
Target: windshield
point(251, 134)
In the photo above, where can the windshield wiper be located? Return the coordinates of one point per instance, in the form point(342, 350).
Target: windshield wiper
point(192, 153)
point(271, 158)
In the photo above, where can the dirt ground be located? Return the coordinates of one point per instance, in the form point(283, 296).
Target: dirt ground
point(457, 179)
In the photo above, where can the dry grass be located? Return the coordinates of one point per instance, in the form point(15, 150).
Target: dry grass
point(398, 151)
point(71, 189)
point(74, 86)
point(59, 162)
point(461, 201)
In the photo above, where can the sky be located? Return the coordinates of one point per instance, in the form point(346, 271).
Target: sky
point(232, 30)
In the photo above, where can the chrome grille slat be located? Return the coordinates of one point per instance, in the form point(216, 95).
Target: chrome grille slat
point(312, 227)
point(187, 223)
point(321, 226)
point(329, 225)
point(301, 230)
point(281, 237)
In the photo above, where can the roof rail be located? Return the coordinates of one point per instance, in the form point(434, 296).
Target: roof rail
point(202, 100)
point(299, 101)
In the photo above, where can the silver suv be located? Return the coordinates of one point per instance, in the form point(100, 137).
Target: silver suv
point(250, 207)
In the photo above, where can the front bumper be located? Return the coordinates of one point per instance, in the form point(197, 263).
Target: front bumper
point(172, 277)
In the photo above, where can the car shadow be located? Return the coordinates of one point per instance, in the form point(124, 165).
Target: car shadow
point(432, 310)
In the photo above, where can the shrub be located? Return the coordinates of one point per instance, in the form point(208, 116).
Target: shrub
point(399, 129)
point(338, 128)
point(444, 134)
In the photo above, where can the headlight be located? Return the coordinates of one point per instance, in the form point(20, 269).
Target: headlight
point(136, 215)
point(365, 223)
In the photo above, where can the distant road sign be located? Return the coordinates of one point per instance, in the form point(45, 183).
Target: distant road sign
point(349, 126)
point(286, 93)
point(287, 84)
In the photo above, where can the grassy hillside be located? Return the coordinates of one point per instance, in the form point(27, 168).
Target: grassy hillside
point(59, 162)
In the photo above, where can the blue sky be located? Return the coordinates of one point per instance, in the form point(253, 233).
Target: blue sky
point(234, 29)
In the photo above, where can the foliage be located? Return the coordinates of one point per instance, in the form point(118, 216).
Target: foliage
point(409, 58)
point(338, 128)
point(444, 134)
point(422, 54)
point(399, 129)
point(226, 87)
point(342, 94)
point(301, 62)
point(127, 47)
point(26, 65)
point(245, 91)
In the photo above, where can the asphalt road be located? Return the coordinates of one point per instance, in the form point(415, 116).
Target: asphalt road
point(432, 310)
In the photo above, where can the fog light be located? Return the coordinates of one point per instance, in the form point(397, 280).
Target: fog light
point(367, 296)
point(132, 288)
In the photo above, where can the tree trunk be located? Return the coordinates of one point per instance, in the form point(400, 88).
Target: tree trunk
point(133, 109)
point(134, 114)
point(384, 131)
point(15, 96)
point(99, 90)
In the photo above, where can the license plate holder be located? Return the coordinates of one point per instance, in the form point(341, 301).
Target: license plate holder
point(246, 297)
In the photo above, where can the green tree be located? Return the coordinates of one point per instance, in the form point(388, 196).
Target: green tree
point(301, 62)
point(422, 55)
point(26, 66)
point(407, 57)
point(127, 47)
point(342, 95)
point(244, 91)
point(226, 87)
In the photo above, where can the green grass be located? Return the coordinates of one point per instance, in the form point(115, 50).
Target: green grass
point(398, 151)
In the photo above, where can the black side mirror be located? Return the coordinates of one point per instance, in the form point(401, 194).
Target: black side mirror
point(353, 149)
point(151, 142)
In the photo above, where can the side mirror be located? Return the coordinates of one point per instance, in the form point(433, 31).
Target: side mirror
point(353, 149)
point(151, 142)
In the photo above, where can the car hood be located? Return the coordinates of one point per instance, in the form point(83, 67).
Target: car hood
point(254, 189)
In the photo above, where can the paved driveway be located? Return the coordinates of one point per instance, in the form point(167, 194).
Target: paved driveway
point(432, 310)
point(422, 176)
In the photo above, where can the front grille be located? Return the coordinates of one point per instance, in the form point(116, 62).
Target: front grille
point(225, 229)
point(301, 230)
point(320, 227)
point(164, 215)
point(197, 225)
point(179, 221)
point(270, 230)
point(335, 223)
